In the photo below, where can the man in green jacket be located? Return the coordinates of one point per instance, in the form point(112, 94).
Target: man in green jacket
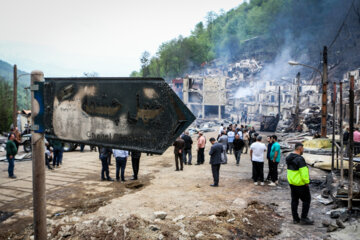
point(11, 151)
point(298, 178)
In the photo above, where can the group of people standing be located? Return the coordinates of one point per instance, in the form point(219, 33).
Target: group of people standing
point(257, 151)
point(297, 170)
point(121, 160)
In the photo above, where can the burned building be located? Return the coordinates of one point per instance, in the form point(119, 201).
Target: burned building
point(264, 100)
point(205, 96)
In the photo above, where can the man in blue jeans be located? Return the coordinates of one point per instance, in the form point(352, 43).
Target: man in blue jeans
point(121, 158)
point(187, 149)
point(103, 154)
point(11, 151)
point(58, 147)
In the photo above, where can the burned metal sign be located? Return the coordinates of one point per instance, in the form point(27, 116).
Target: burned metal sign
point(141, 114)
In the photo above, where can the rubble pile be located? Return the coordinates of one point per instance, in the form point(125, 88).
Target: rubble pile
point(255, 221)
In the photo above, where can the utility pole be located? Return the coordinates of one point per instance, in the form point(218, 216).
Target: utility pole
point(38, 166)
point(333, 126)
point(324, 94)
point(15, 98)
point(297, 109)
point(341, 137)
point(351, 141)
point(279, 98)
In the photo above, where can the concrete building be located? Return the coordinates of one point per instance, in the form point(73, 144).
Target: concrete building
point(206, 96)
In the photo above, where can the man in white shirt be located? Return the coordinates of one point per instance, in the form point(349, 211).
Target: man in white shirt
point(257, 152)
point(221, 128)
point(121, 158)
point(231, 137)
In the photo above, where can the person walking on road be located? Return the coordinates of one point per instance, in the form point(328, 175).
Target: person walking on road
point(187, 149)
point(11, 151)
point(215, 160)
point(275, 156)
point(179, 145)
point(298, 178)
point(221, 128)
point(103, 154)
point(223, 140)
point(257, 150)
point(231, 137)
point(238, 148)
point(246, 139)
point(135, 161)
point(200, 149)
point(120, 158)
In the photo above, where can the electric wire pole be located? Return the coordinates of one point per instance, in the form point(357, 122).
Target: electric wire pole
point(324, 94)
point(15, 98)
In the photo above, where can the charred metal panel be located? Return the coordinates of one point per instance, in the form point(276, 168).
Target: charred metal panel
point(141, 114)
point(269, 123)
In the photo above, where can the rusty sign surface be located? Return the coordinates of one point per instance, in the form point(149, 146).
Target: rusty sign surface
point(141, 114)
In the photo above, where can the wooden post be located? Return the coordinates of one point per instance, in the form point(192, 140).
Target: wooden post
point(38, 166)
point(341, 136)
point(324, 95)
point(351, 141)
point(333, 130)
point(15, 98)
point(297, 109)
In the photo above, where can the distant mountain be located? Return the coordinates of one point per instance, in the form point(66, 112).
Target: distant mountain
point(6, 72)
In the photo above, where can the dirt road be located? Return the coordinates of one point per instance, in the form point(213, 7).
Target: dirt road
point(80, 206)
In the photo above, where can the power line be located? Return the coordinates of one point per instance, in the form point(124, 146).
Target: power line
point(342, 25)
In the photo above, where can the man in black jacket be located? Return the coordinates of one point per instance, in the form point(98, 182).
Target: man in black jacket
point(187, 149)
point(135, 160)
point(215, 160)
point(299, 179)
point(178, 151)
point(238, 147)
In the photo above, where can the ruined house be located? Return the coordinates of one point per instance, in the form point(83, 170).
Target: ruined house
point(205, 96)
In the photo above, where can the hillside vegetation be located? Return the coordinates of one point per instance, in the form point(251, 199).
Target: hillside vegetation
point(261, 29)
point(6, 93)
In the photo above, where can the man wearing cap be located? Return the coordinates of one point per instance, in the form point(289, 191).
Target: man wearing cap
point(215, 160)
point(298, 178)
point(257, 150)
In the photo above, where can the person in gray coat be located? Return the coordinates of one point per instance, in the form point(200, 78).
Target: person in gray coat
point(223, 140)
point(215, 160)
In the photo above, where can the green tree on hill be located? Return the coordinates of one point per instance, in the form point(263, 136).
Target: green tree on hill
point(6, 105)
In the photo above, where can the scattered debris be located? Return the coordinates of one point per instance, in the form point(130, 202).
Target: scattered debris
point(160, 215)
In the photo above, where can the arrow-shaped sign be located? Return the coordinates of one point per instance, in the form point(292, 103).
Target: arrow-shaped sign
point(141, 114)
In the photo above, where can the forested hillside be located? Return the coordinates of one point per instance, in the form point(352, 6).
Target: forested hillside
point(262, 29)
point(6, 93)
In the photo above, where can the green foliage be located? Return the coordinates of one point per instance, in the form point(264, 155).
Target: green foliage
point(6, 105)
point(24, 95)
point(261, 27)
point(135, 74)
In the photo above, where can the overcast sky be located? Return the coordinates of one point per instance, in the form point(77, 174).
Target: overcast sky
point(70, 37)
